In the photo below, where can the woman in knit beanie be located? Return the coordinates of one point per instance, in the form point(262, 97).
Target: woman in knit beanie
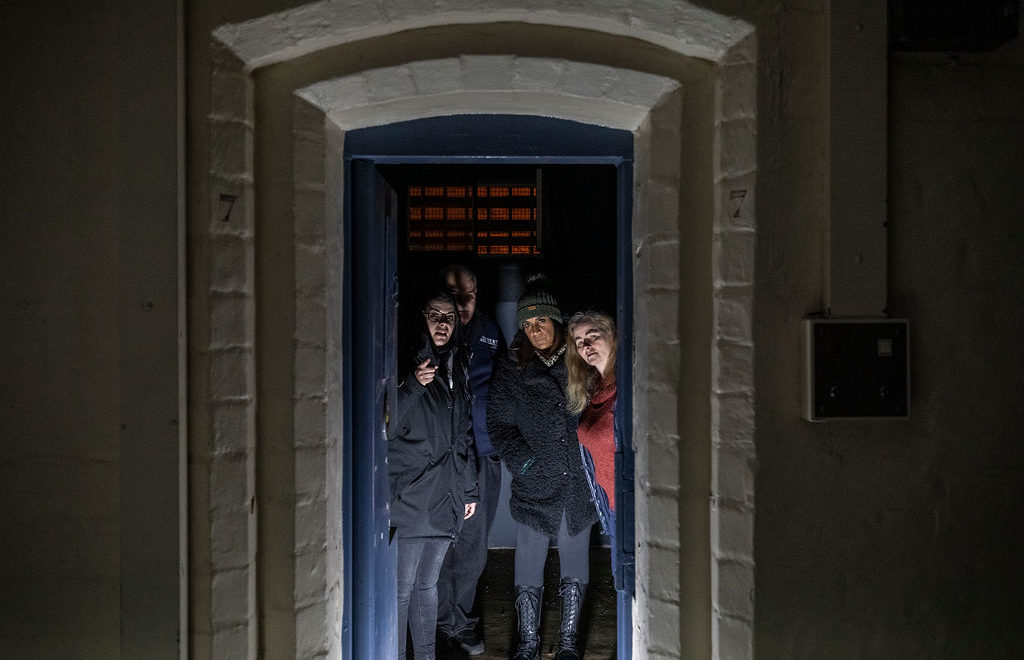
point(535, 434)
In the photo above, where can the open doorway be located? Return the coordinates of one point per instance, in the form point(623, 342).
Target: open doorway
point(580, 177)
point(505, 223)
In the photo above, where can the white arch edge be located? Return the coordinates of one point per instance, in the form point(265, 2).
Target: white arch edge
point(268, 40)
point(588, 110)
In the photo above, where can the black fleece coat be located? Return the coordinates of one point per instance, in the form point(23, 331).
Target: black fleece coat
point(535, 435)
point(430, 457)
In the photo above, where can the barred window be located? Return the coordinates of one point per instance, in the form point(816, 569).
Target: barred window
point(488, 218)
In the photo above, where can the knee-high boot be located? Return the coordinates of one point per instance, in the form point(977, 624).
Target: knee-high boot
point(528, 601)
point(572, 591)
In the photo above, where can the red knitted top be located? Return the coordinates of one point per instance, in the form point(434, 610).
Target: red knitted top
point(597, 433)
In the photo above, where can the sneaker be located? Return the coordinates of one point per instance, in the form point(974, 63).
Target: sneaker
point(469, 642)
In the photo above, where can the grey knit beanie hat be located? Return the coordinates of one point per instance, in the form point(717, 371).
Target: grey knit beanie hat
point(537, 301)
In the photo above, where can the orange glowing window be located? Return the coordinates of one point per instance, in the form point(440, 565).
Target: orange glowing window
point(473, 216)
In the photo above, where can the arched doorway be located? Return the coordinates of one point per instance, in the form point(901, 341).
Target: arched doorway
point(690, 243)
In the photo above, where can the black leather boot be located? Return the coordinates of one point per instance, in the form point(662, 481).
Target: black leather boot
point(572, 591)
point(528, 615)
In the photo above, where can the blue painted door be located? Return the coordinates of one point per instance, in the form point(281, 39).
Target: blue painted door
point(371, 325)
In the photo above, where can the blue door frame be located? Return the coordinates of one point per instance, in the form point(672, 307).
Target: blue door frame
point(370, 281)
point(369, 390)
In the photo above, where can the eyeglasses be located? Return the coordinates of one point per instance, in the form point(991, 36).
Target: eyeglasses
point(438, 317)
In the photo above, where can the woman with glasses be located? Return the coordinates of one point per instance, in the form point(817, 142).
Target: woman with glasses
point(432, 469)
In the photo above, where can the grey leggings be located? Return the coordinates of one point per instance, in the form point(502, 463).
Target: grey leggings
point(532, 552)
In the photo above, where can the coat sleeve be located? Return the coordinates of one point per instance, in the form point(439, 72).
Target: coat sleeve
point(471, 487)
point(402, 464)
point(409, 393)
point(502, 422)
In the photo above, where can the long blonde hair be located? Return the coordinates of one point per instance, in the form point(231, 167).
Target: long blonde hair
point(581, 374)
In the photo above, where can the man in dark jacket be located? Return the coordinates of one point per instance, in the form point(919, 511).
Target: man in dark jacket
point(467, 557)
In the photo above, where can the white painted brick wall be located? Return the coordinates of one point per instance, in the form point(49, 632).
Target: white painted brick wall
point(663, 514)
point(733, 460)
point(732, 257)
point(484, 83)
point(732, 475)
point(231, 377)
point(736, 197)
point(732, 366)
point(681, 27)
point(731, 586)
point(733, 304)
point(229, 423)
point(490, 83)
point(308, 208)
point(735, 637)
point(663, 467)
point(662, 628)
point(732, 419)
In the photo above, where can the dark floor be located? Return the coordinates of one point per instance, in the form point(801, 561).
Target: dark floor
point(495, 599)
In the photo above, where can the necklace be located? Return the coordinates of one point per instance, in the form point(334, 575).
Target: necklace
point(551, 360)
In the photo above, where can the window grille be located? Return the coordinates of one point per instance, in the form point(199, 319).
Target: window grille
point(488, 218)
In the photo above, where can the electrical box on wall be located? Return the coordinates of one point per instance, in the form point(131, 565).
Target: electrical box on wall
point(856, 369)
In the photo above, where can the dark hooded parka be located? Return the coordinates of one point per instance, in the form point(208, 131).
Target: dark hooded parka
point(431, 460)
point(535, 435)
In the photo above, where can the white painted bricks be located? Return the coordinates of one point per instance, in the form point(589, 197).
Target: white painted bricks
point(552, 87)
point(682, 27)
point(231, 378)
point(598, 94)
point(733, 459)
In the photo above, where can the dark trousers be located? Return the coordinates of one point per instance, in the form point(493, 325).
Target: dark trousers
point(464, 564)
point(532, 552)
point(419, 562)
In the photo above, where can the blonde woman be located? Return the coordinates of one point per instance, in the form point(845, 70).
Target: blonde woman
point(591, 394)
